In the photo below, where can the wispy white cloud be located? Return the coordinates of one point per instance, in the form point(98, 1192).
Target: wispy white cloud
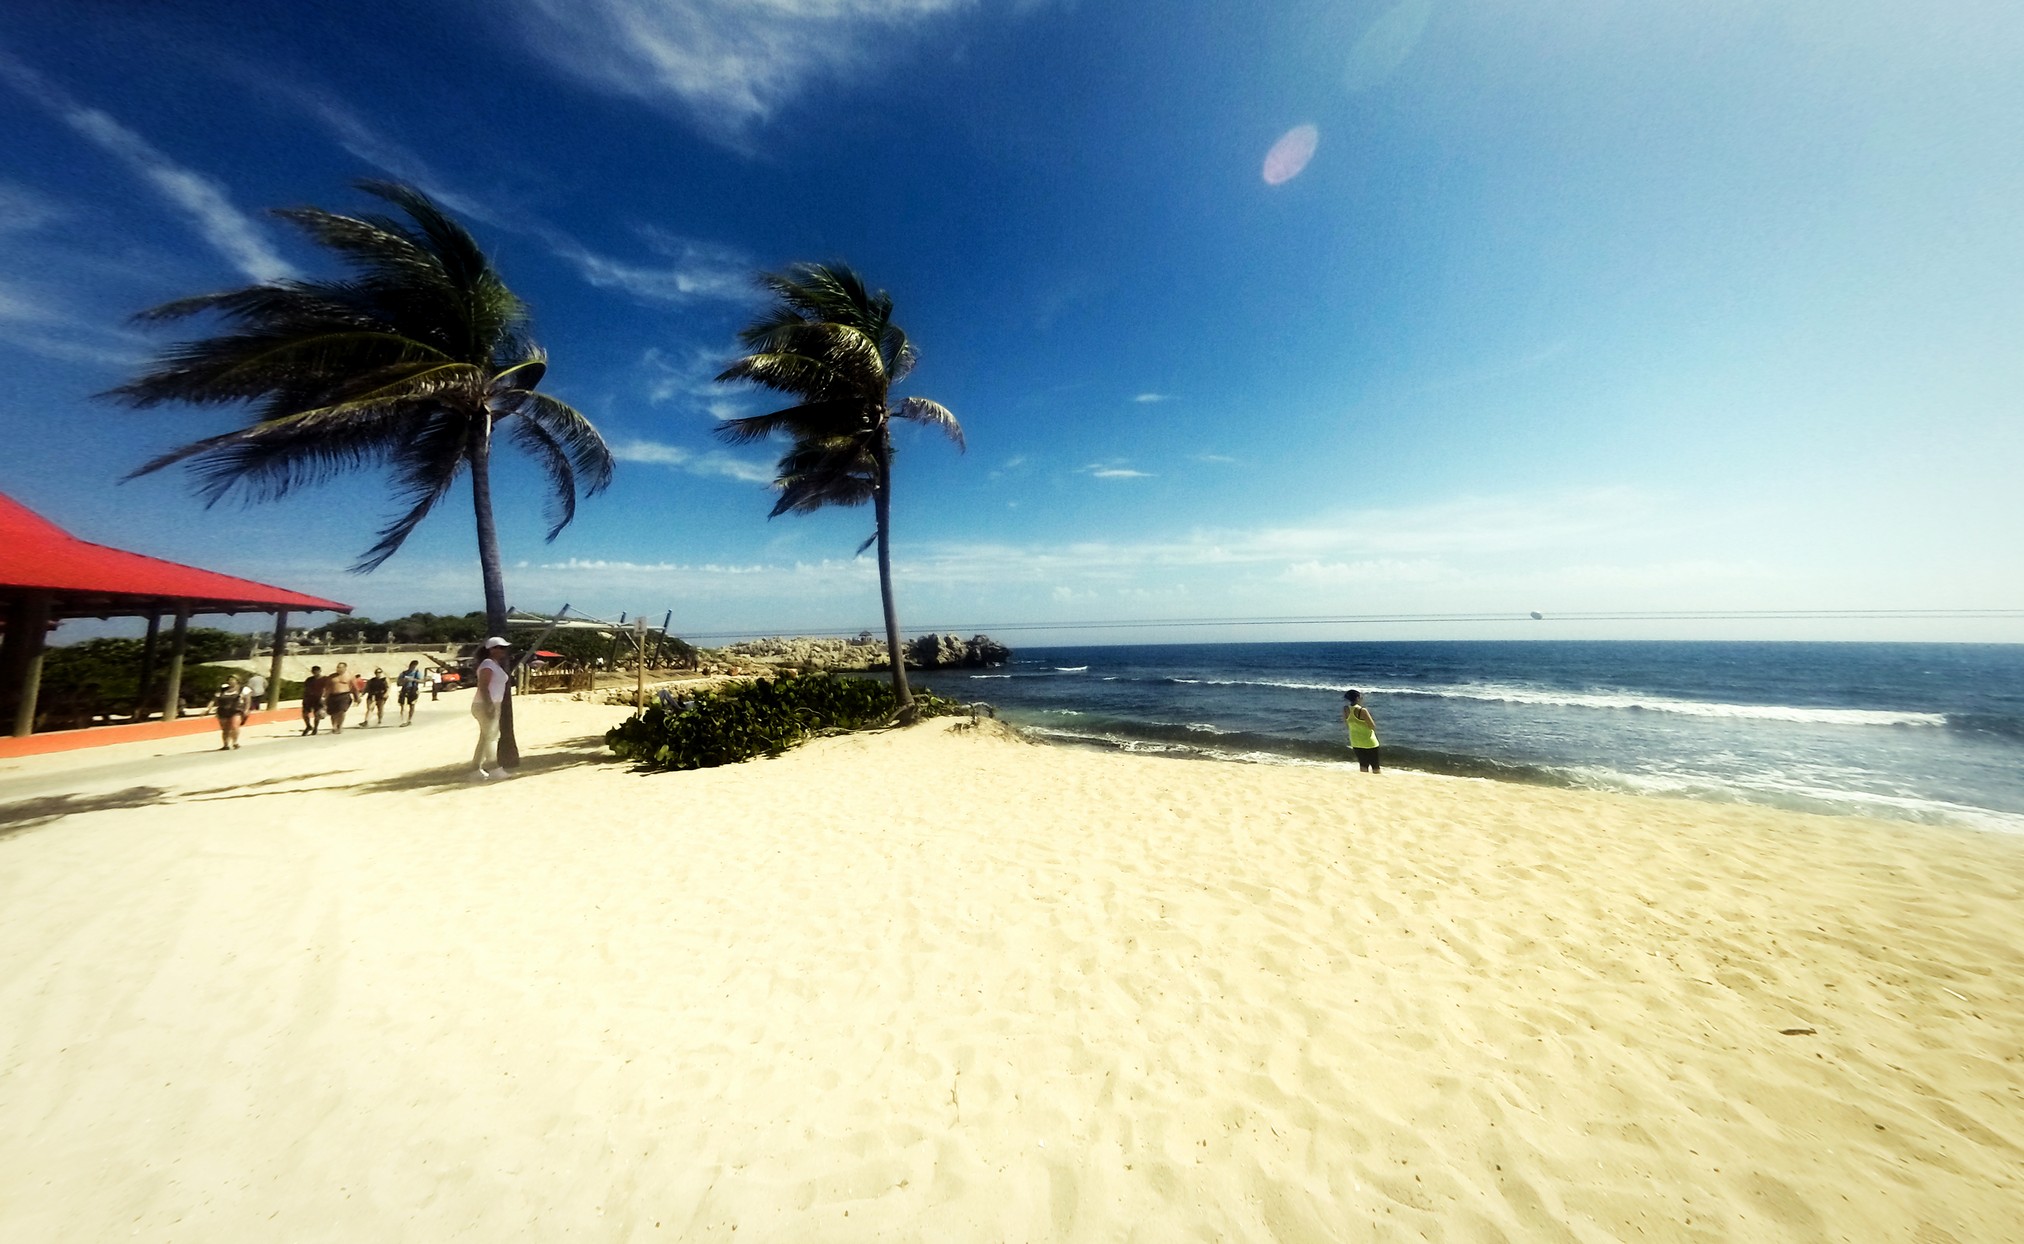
point(689, 375)
point(23, 210)
point(1147, 399)
point(707, 462)
point(233, 234)
point(685, 270)
point(1113, 470)
point(1223, 459)
point(731, 64)
point(677, 269)
point(39, 324)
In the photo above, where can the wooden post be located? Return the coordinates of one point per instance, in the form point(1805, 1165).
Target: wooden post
point(640, 642)
point(27, 629)
point(172, 697)
point(274, 666)
point(141, 709)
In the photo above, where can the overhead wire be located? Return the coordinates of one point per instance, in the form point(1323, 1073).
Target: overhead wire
point(1656, 615)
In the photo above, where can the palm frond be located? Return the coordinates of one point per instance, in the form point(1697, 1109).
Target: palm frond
point(809, 421)
point(400, 362)
point(574, 435)
point(428, 464)
point(548, 453)
point(934, 414)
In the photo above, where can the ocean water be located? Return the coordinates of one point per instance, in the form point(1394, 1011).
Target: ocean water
point(1919, 732)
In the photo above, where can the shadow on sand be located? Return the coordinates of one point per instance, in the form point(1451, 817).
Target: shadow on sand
point(588, 750)
point(30, 813)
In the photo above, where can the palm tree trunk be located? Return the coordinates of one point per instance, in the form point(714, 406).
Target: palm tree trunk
point(903, 696)
point(489, 568)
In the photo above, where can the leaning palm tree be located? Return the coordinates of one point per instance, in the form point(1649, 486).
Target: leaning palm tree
point(411, 361)
point(832, 343)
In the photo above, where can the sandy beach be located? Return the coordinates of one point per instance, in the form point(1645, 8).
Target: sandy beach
point(947, 985)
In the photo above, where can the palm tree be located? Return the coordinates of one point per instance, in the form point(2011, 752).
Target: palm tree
point(832, 343)
point(411, 361)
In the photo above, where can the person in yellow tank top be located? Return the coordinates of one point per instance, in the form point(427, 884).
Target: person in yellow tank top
point(1362, 731)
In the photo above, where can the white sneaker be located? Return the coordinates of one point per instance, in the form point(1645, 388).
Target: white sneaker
point(479, 775)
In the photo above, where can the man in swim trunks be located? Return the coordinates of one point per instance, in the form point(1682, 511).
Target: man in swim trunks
point(337, 698)
point(1362, 731)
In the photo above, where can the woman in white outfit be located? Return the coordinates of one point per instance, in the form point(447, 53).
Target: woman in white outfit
point(488, 701)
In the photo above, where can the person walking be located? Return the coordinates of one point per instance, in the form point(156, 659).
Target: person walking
point(1362, 731)
point(256, 693)
point(375, 699)
point(488, 704)
point(337, 698)
point(434, 683)
point(230, 707)
point(313, 690)
point(410, 682)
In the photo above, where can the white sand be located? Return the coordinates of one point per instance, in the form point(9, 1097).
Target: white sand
point(941, 985)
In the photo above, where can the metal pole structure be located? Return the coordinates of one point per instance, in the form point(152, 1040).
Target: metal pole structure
point(141, 709)
point(172, 697)
point(27, 629)
point(274, 667)
point(640, 642)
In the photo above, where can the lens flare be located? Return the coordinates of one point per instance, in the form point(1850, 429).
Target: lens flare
point(1290, 154)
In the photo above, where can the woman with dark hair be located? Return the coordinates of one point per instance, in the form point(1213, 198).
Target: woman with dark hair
point(1362, 731)
point(230, 706)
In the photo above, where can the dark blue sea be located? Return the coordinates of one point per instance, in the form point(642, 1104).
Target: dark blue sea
point(1917, 732)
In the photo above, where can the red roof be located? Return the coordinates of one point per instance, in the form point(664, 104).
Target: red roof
point(94, 580)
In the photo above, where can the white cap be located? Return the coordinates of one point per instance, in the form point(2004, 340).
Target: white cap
point(496, 642)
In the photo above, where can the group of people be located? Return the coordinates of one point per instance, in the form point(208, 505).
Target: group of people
point(331, 696)
point(327, 697)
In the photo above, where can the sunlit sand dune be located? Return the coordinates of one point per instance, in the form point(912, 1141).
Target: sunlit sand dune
point(943, 984)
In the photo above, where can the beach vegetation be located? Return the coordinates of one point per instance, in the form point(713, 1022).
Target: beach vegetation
point(830, 342)
point(101, 677)
point(760, 718)
point(414, 360)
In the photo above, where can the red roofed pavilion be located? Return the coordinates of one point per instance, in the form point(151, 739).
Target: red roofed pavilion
point(47, 575)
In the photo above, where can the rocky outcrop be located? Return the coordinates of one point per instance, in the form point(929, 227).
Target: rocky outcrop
point(862, 652)
point(946, 652)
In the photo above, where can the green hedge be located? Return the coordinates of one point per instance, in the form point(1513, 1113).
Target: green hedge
point(762, 718)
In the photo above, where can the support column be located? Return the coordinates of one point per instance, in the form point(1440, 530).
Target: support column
point(141, 710)
point(21, 673)
point(274, 668)
point(172, 705)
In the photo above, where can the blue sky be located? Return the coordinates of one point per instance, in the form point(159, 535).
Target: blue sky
point(1588, 306)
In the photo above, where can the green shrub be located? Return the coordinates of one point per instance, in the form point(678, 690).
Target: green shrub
point(762, 718)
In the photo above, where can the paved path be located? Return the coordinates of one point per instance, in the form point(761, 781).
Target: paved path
point(269, 754)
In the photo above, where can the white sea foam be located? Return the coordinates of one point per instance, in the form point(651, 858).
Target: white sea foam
point(1783, 791)
point(1071, 669)
point(1500, 693)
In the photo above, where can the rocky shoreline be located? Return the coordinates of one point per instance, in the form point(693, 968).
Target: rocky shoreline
point(861, 653)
